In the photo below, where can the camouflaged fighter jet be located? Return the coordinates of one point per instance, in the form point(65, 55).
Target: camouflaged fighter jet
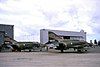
point(64, 44)
point(79, 46)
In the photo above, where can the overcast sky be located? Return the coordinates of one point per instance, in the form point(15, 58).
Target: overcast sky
point(29, 16)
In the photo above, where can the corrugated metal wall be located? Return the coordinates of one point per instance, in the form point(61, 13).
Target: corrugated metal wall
point(1, 37)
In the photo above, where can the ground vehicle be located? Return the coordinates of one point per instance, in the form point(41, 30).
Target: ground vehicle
point(79, 46)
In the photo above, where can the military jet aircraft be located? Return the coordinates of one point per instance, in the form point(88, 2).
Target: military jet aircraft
point(79, 46)
point(64, 44)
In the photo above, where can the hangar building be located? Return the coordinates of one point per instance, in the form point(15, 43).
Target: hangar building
point(6, 33)
point(47, 35)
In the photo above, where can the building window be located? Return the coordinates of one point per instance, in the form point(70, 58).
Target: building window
point(66, 37)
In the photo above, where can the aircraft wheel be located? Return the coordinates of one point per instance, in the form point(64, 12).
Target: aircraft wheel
point(19, 50)
point(29, 50)
point(62, 51)
point(79, 51)
point(85, 50)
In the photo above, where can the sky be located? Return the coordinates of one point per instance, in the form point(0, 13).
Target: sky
point(29, 16)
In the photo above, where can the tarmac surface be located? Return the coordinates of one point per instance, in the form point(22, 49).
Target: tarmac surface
point(51, 59)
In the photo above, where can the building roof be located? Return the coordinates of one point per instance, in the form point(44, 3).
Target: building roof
point(63, 33)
